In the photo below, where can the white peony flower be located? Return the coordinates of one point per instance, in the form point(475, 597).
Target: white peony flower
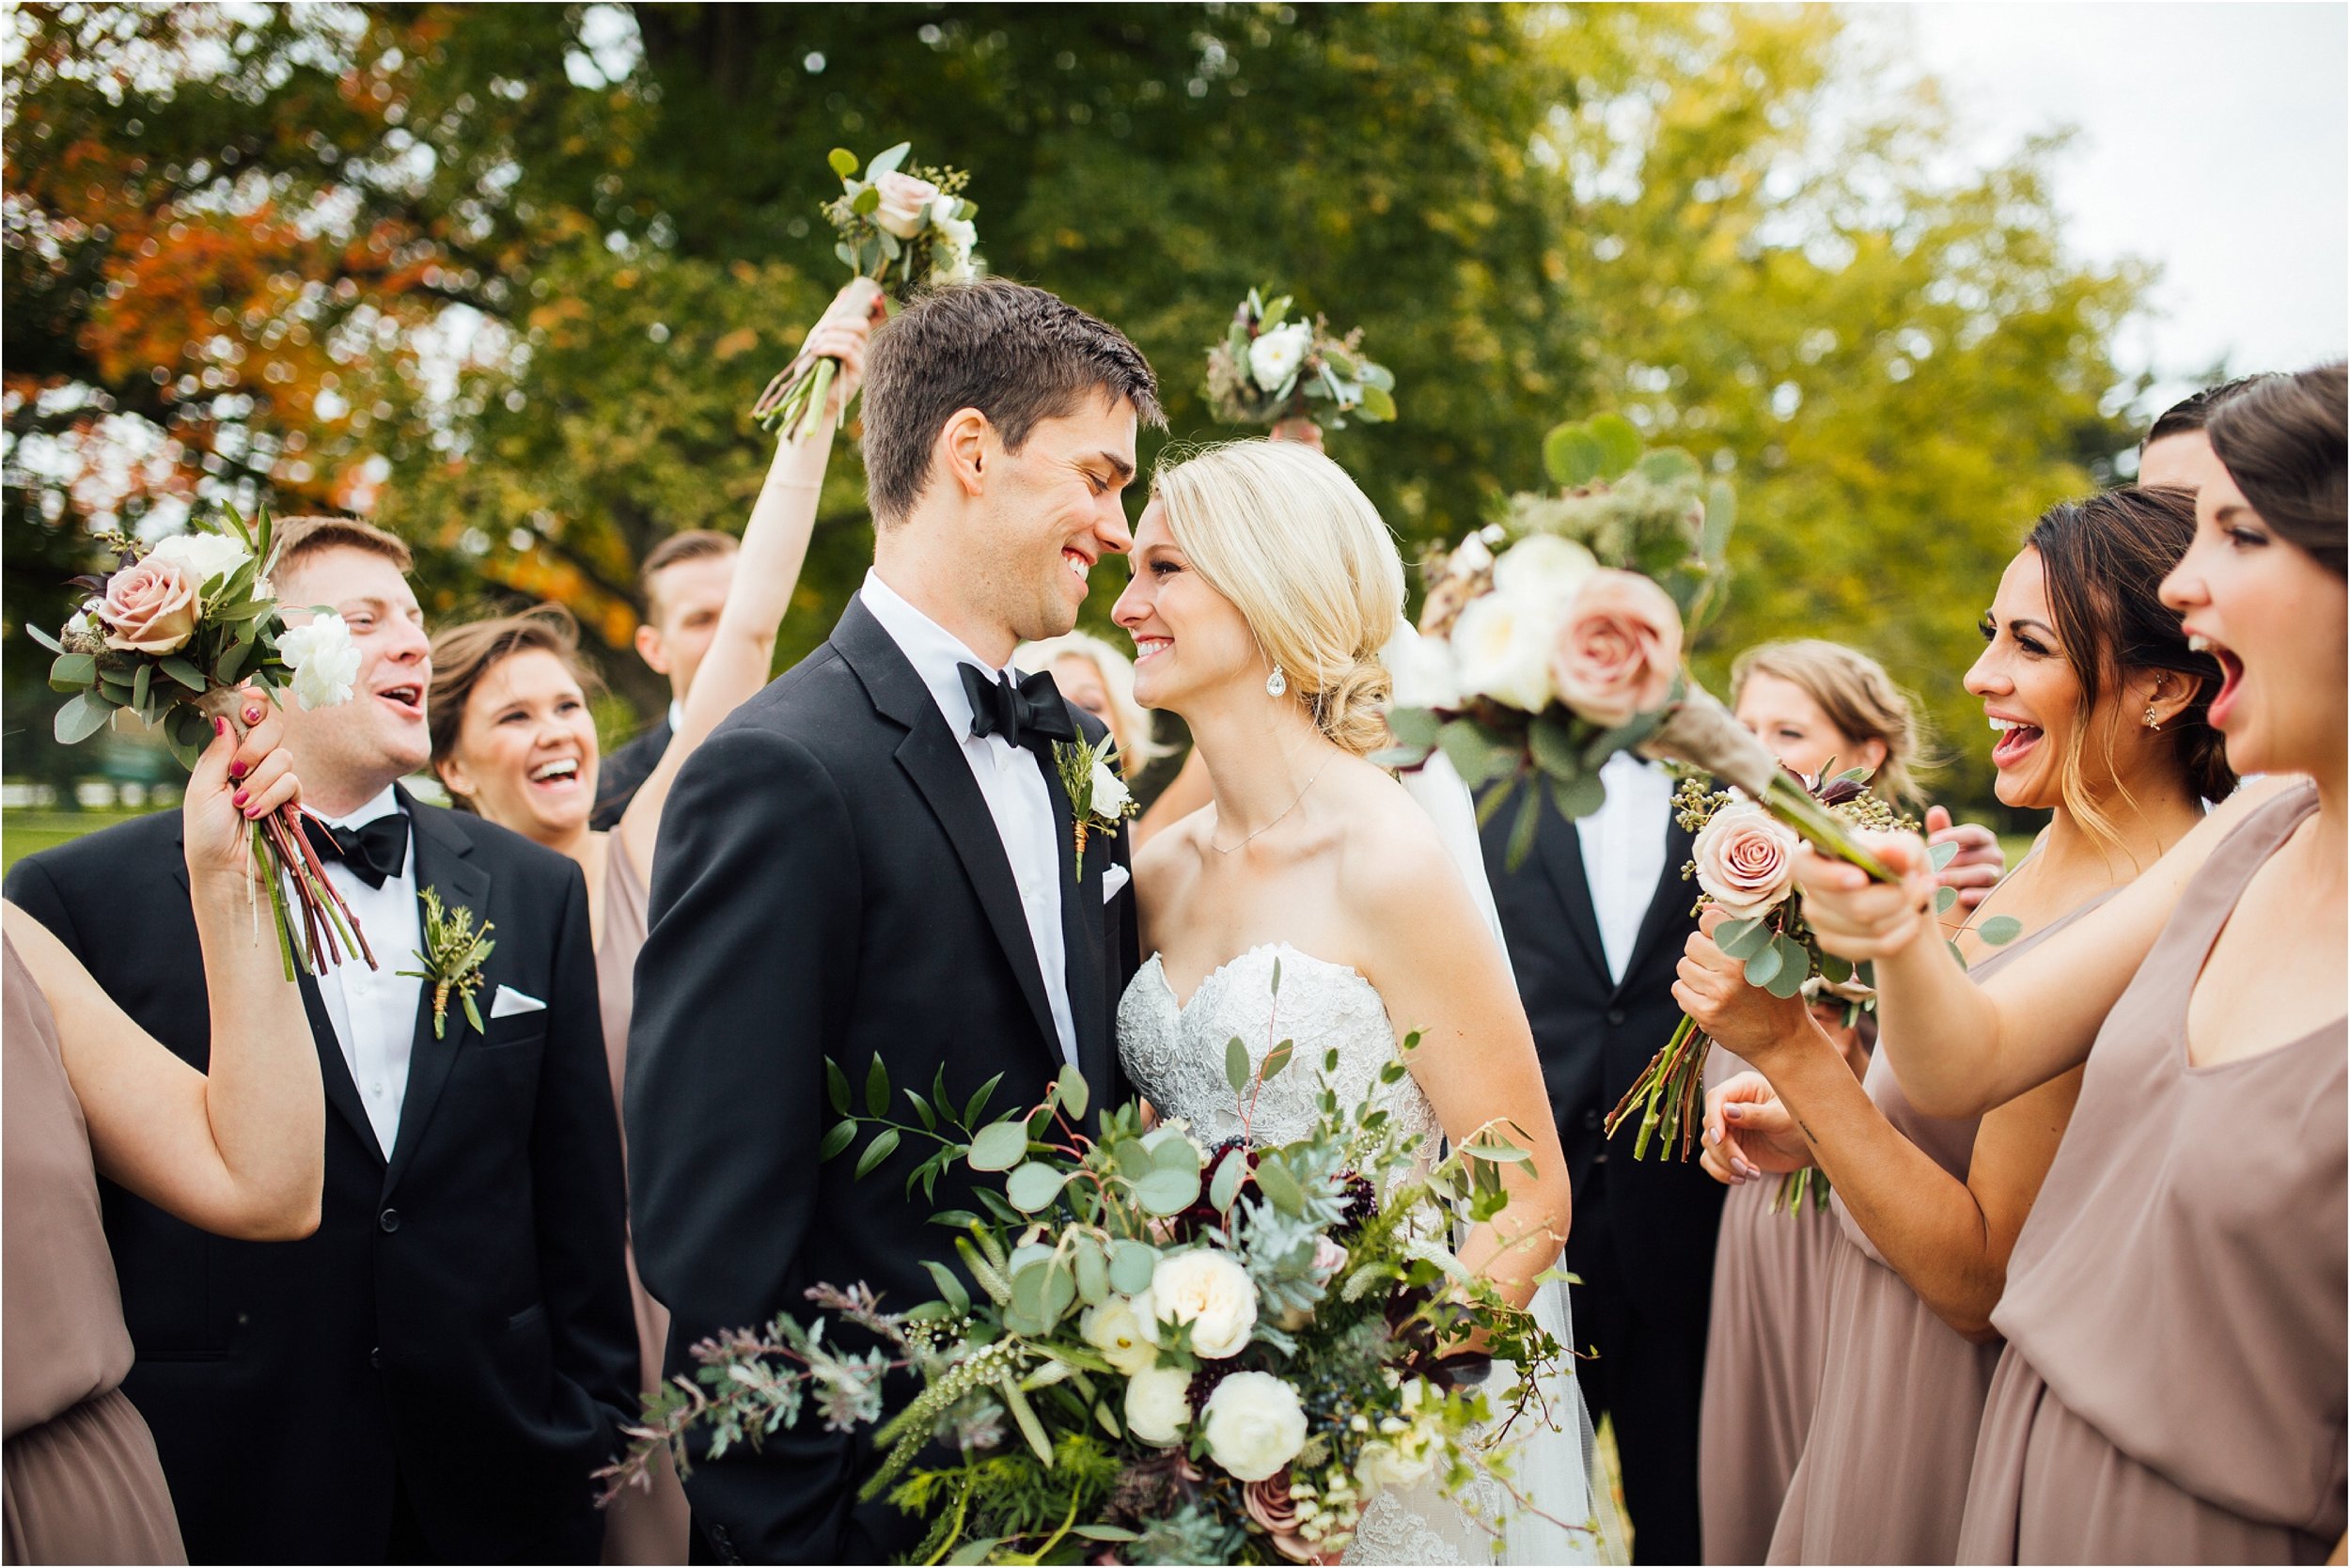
point(1113, 1329)
point(1110, 795)
point(323, 658)
point(1543, 572)
point(1254, 1423)
point(1158, 1404)
point(1209, 1291)
point(1274, 357)
point(1501, 649)
point(206, 556)
point(1421, 669)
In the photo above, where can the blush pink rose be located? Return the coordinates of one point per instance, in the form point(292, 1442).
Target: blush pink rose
point(1269, 1503)
point(149, 607)
point(1745, 861)
point(905, 203)
point(1619, 649)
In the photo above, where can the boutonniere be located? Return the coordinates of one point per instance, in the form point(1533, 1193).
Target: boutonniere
point(1098, 798)
point(453, 955)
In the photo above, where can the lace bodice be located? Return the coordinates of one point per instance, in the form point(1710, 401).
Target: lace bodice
point(1174, 1052)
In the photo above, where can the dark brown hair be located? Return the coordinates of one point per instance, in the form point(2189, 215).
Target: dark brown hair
point(2282, 442)
point(2104, 558)
point(1017, 355)
point(292, 538)
point(694, 545)
point(464, 654)
point(2193, 412)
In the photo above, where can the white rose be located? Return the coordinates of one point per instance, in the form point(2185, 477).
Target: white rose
point(1254, 1423)
point(1110, 795)
point(1158, 1404)
point(905, 203)
point(1421, 669)
point(206, 556)
point(961, 234)
point(1113, 1329)
point(1543, 572)
point(1209, 1291)
point(1501, 649)
point(1274, 357)
point(324, 660)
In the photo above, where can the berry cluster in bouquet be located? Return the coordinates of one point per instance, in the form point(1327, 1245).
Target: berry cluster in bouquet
point(1155, 1351)
point(1281, 373)
point(901, 227)
point(1551, 639)
point(177, 634)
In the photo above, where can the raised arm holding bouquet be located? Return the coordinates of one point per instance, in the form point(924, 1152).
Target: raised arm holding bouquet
point(175, 634)
point(901, 227)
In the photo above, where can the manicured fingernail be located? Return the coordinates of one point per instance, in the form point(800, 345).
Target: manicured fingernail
point(253, 715)
point(239, 798)
point(236, 770)
point(220, 726)
point(1732, 1112)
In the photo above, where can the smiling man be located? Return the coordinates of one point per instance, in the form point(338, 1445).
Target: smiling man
point(435, 1374)
point(873, 857)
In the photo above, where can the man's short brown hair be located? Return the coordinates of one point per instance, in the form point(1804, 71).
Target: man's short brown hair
point(292, 538)
point(694, 545)
point(1017, 355)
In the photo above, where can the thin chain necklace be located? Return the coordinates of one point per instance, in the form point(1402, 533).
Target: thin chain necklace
point(1278, 816)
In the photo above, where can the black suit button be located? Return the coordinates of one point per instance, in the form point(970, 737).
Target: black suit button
point(375, 1358)
point(1615, 1015)
point(1591, 1120)
point(389, 1220)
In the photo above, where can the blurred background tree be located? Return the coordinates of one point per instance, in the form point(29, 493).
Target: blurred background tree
point(506, 278)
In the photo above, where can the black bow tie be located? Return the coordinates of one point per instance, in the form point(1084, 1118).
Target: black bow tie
point(372, 852)
point(1025, 714)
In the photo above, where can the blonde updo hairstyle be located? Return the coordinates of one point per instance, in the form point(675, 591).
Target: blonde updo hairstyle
point(1858, 696)
point(1139, 747)
point(1292, 541)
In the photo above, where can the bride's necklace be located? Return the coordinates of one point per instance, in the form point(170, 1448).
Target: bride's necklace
point(1277, 816)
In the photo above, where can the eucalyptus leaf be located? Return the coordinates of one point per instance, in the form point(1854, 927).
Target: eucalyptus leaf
point(1280, 1187)
point(1236, 1065)
point(1795, 967)
point(1572, 456)
point(1033, 1186)
point(1167, 1192)
point(1619, 445)
point(1942, 854)
point(1378, 405)
point(843, 161)
point(1998, 931)
point(1075, 1096)
point(1093, 1272)
point(1742, 939)
point(1229, 1176)
point(1579, 796)
point(999, 1146)
point(1764, 967)
point(81, 717)
point(887, 160)
point(1132, 1264)
point(72, 671)
point(183, 672)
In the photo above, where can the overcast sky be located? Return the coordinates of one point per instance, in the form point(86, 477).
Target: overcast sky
point(2214, 139)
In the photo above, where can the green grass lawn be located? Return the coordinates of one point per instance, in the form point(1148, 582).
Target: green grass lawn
point(27, 829)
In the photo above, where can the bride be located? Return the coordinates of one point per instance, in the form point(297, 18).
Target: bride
point(1265, 586)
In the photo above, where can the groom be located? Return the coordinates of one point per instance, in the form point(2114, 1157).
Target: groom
point(874, 857)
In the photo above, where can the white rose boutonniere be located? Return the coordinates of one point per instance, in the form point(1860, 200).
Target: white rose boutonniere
point(1098, 797)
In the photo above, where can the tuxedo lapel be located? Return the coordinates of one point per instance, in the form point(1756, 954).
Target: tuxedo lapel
point(442, 864)
point(1669, 909)
point(1561, 845)
point(935, 763)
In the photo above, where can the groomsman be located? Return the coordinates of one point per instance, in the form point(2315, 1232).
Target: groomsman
point(683, 583)
point(433, 1375)
point(1596, 920)
point(874, 857)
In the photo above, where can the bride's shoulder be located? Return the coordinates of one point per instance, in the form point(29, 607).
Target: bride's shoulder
point(1170, 856)
point(1391, 854)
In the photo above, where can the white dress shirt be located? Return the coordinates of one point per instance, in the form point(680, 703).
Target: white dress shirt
point(1011, 778)
point(1623, 852)
point(374, 1010)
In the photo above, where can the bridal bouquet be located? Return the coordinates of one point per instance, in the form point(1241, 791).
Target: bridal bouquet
point(170, 634)
point(1551, 640)
point(915, 221)
point(1269, 369)
point(1154, 1351)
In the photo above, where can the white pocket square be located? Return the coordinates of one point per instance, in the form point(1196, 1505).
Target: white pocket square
point(1112, 879)
point(510, 1001)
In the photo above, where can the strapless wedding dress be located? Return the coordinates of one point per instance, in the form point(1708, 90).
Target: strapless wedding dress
point(1174, 1054)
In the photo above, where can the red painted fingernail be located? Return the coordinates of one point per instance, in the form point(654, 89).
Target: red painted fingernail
point(220, 726)
point(236, 770)
point(238, 799)
point(253, 715)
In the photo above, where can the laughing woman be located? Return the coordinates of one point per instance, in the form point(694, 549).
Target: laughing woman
point(2173, 1385)
point(513, 740)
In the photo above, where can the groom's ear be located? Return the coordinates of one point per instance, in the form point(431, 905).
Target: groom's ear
point(966, 445)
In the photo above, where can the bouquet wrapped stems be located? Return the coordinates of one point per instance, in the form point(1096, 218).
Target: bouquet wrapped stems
point(794, 400)
point(330, 932)
point(1704, 733)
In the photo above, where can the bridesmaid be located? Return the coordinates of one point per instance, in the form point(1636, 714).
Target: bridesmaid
point(239, 1151)
point(513, 740)
point(2101, 709)
point(1816, 705)
point(2173, 1384)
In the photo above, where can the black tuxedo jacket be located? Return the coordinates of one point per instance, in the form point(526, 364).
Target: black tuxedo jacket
point(623, 772)
point(831, 885)
point(461, 1319)
point(1594, 1036)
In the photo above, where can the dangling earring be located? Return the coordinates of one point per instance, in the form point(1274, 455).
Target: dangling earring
point(1277, 682)
point(2152, 722)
